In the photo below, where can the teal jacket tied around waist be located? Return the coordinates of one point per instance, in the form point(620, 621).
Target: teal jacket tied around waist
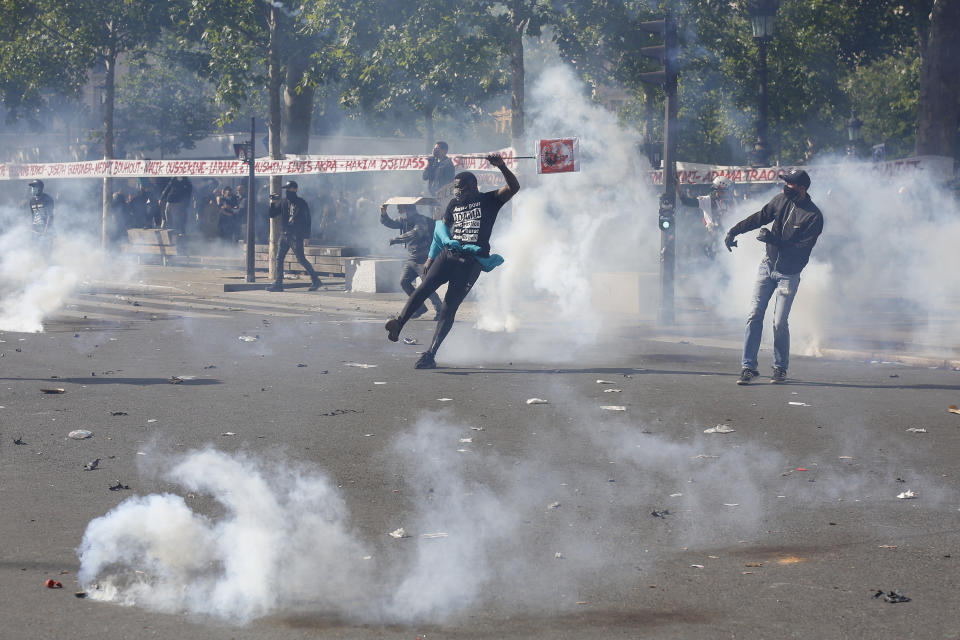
point(442, 240)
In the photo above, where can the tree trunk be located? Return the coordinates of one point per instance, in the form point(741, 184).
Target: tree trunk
point(109, 83)
point(428, 127)
point(516, 76)
point(938, 111)
point(275, 81)
point(297, 107)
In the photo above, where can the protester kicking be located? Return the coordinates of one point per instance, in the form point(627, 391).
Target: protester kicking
point(460, 251)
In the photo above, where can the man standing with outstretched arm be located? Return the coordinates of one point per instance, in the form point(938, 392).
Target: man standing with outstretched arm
point(461, 250)
point(797, 223)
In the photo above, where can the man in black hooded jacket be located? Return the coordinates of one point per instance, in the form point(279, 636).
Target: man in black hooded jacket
point(797, 223)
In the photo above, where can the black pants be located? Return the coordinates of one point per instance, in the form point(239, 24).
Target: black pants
point(460, 272)
point(288, 242)
point(411, 271)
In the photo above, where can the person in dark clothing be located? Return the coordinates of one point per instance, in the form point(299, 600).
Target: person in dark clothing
point(228, 223)
point(174, 200)
point(439, 171)
point(416, 231)
point(295, 222)
point(797, 223)
point(41, 215)
point(464, 233)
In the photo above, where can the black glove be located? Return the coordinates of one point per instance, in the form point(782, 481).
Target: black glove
point(767, 237)
point(729, 241)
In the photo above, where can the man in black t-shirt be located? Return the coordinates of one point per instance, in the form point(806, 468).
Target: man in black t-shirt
point(469, 220)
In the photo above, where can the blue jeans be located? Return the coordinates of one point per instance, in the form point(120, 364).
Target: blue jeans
point(785, 286)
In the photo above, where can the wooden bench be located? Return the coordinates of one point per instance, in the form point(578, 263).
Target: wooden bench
point(153, 242)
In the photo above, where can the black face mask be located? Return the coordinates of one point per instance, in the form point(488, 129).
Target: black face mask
point(290, 194)
point(790, 192)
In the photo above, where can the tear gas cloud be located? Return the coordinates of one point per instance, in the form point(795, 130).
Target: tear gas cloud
point(280, 539)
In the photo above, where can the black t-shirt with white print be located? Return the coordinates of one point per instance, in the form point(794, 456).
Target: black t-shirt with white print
point(471, 221)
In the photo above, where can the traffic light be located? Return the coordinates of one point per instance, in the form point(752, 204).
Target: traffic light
point(666, 213)
point(666, 53)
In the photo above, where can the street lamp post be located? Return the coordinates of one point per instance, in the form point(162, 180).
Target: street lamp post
point(762, 14)
point(853, 133)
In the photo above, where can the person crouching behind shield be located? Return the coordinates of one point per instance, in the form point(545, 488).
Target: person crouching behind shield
point(459, 252)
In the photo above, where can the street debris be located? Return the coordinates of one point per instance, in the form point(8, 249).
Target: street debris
point(118, 413)
point(120, 487)
point(79, 434)
point(466, 440)
point(175, 380)
point(410, 341)
point(720, 428)
point(359, 365)
point(700, 456)
point(553, 505)
point(340, 412)
point(53, 584)
point(537, 401)
point(696, 566)
point(398, 533)
point(80, 594)
point(731, 504)
point(300, 365)
point(613, 390)
point(444, 399)
point(613, 407)
point(798, 404)
point(916, 430)
point(53, 390)
point(439, 534)
point(19, 440)
point(228, 433)
point(558, 556)
point(953, 409)
point(675, 495)
point(605, 382)
point(660, 514)
point(250, 338)
point(93, 465)
point(907, 495)
point(892, 597)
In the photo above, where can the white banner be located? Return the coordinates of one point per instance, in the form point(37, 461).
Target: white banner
point(937, 167)
point(291, 166)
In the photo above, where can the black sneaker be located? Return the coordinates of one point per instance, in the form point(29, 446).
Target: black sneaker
point(315, 285)
point(426, 361)
point(275, 287)
point(779, 376)
point(393, 329)
point(747, 375)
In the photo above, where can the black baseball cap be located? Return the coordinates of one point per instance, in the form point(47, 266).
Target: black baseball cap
point(293, 185)
point(796, 176)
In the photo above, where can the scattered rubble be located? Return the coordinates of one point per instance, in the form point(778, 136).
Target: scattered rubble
point(250, 338)
point(613, 407)
point(720, 428)
point(916, 430)
point(892, 597)
point(80, 434)
point(906, 495)
point(398, 533)
point(660, 514)
point(93, 465)
point(120, 487)
point(537, 401)
point(53, 390)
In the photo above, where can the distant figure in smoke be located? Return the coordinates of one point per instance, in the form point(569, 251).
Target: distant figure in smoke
point(41, 212)
point(295, 225)
point(713, 208)
point(440, 170)
point(460, 250)
point(416, 231)
point(228, 224)
point(174, 200)
point(797, 223)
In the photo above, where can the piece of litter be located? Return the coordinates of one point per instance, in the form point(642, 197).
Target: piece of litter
point(436, 535)
point(720, 428)
point(249, 338)
point(379, 383)
point(141, 453)
point(53, 391)
point(613, 390)
point(228, 433)
point(79, 434)
point(359, 365)
point(953, 409)
point(463, 450)
point(605, 382)
point(410, 341)
point(175, 380)
point(553, 505)
point(613, 407)
point(660, 514)
point(300, 365)
point(846, 457)
point(466, 440)
point(52, 584)
point(368, 435)
point(696, 566)
point(891, 596)
point(798, 404)
point(444, 399)
point(558, 555)
point(731, 504)
point(906, 495)
point(399, 533)
point(119, 487)
point(703, 455)
point(92, 465)
point(537, 401)
point(887, 546)
point(151, 420)
point(916, 430)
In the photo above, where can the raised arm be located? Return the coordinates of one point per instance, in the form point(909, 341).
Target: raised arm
point(513, 185)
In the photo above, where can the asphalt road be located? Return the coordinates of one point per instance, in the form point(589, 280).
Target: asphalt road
point(264, 484)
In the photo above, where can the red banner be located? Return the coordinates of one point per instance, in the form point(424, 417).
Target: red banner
point(561, 155)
